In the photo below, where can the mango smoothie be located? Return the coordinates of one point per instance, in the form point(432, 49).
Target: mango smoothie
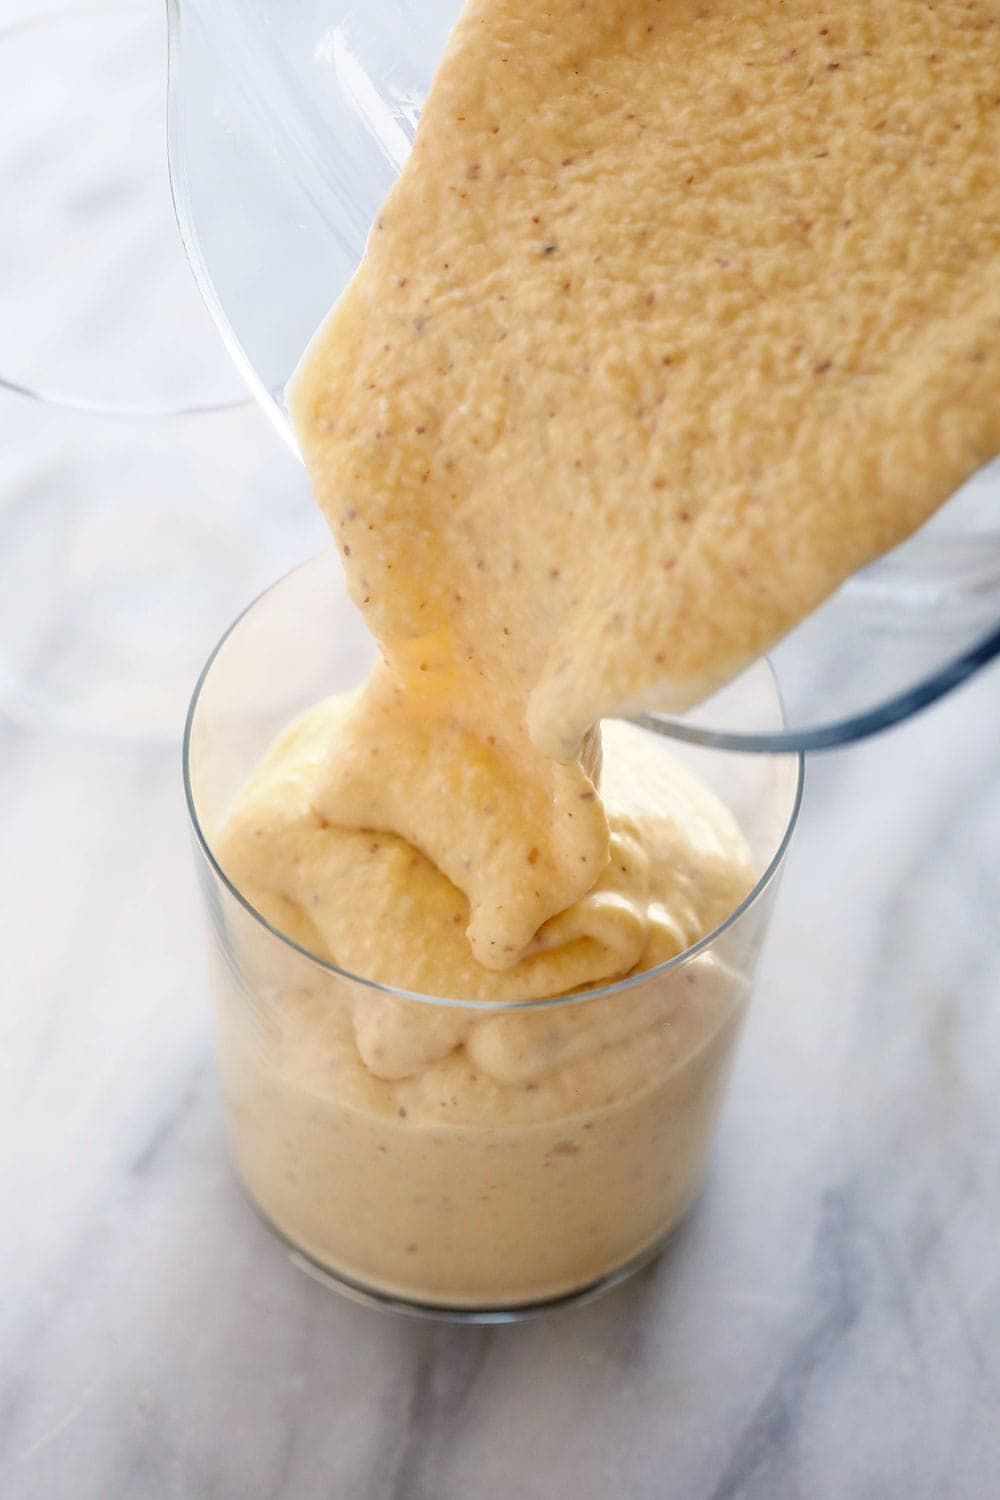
point(675, 317)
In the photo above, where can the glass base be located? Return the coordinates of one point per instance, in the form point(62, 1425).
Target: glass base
point(435, 1312)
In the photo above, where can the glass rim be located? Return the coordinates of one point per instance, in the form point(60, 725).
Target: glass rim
point(545, 1002)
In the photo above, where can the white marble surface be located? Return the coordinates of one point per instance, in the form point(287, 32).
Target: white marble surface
point(826, 1326)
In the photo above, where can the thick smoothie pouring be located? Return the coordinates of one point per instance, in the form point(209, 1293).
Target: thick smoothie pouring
point(463, 1155)
point(675, 317)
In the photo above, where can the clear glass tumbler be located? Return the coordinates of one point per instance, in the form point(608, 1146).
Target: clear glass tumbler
point(553, 1149)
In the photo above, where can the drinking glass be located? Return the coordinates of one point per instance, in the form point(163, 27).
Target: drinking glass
point(553, 1144)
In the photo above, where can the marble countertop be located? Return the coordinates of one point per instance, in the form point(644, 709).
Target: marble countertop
point(826, 1326)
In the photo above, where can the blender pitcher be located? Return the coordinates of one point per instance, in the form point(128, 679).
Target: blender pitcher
point(287, 125)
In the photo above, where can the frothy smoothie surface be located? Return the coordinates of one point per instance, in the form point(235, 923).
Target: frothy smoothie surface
point(678, 313)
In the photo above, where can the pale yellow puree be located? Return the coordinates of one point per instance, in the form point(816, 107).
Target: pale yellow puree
point(678, 313)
